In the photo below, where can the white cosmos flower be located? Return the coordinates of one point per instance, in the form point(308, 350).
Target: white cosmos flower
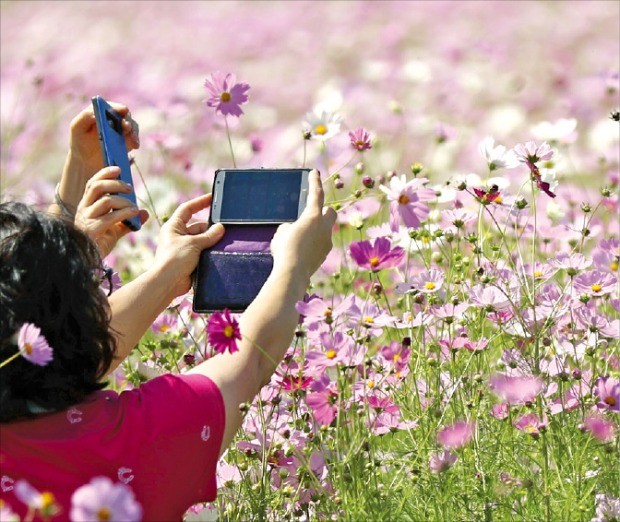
point(322, 125)
point(497, 156)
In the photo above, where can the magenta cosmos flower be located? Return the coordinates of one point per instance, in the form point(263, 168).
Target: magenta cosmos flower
point(226, 95)
point(33, 346)
point(407, 201)
point(376, 256)
point(516, 390)
point(457, 435)
point(531, 424)
point(223, 332)
point(360, 139)
point(101, 499)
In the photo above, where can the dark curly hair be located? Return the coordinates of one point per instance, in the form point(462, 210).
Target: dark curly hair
point(47, 278)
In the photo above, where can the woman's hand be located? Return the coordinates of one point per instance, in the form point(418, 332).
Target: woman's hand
point(100, 213)
point(180, 244)
point(84, 159)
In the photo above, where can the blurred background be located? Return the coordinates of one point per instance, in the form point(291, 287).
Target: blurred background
point(429, 79)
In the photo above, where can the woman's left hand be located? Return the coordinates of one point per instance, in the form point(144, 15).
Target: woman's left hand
point(101, 212)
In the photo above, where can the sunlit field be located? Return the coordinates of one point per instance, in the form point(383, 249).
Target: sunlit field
point(457, 355)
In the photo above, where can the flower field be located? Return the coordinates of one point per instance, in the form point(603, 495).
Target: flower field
point(457, 355)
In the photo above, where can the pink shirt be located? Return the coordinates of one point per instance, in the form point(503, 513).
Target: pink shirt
point(162, 439)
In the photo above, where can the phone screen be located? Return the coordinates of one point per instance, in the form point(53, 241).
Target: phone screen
point(260, 195)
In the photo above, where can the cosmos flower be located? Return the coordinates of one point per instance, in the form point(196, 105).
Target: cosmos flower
point(602, 429)
point(360, 139)
point(376, 256)
point(443, 461)
point(496, 156)
point(322, 125)
point(531, 153)
point(101, 499)
point(516, 390)
point(428, 281)
point(595, 283)
point(323, 405)
point(33, 346)
point(165, 323)
point(530, 423)
point(407, 201)
point(223, 332)
point(608, 392)
point(456, 435)
point(226, 95)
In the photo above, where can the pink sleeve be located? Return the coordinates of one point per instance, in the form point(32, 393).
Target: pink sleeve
point(175, 424)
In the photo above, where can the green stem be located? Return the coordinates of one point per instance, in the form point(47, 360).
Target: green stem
point(232, 152)
point(14, 356)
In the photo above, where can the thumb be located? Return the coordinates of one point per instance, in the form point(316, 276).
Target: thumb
point(211, 236)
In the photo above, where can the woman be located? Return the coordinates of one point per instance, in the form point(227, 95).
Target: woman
point(157, 445)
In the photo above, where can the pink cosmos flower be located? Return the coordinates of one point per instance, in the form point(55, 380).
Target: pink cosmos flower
point(531, 153)
point(407, 199)
point(449, 311)
point(572, 263)
point(360, 139)
point(396, 355)
point(429, 281)
point(516, 390)
point(530, 424)
point(333, 348)
point(226, 95)
point(376, 256)
point(164, 323)
point(223, 332)
point(595, 283)
point(457, 435)
point(600, 428)
point(101, 499)
point(459, 217)
point(227, 475)
point(440, 462)
point(486, 196)
point(608, 393)
point(500, 411)
point(33, 346)
point(489, 297)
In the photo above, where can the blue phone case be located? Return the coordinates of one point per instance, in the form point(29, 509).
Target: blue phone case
point(114, 150)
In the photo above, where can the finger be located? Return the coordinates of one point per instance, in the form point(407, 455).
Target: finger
point(197, 228)
point(144, 216)
point(316, 196)
point(212, 235)
point(115, 217)
point(131, 129)
point(186, 210)
point(84, 121)
point(106, 203)
point(121, 108)
point(330, 215)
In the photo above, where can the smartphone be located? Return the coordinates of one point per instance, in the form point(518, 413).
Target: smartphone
point(258, 196)
point(114, 150)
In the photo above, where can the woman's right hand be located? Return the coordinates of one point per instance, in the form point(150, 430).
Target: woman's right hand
point(101, 212)
point(304, 244)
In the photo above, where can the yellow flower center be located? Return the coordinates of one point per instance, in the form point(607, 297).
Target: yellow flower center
point(28, 348)
point(368, 320)
point(426, 240)
point(328, 312)
point(538, 274)
point(614, 266)
point(610, 401)
point(165, 328)
point(596, 287)
point(371, 383)
point(374, 262)
point(330, 354)
point(530, 429)
point(498, 200)
point(430, 285)
point(225, 97)
point(104, 514)
point(47, 500)
point(229, 331)
point(320, 129)
point(359, 143)
point(403, 200)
